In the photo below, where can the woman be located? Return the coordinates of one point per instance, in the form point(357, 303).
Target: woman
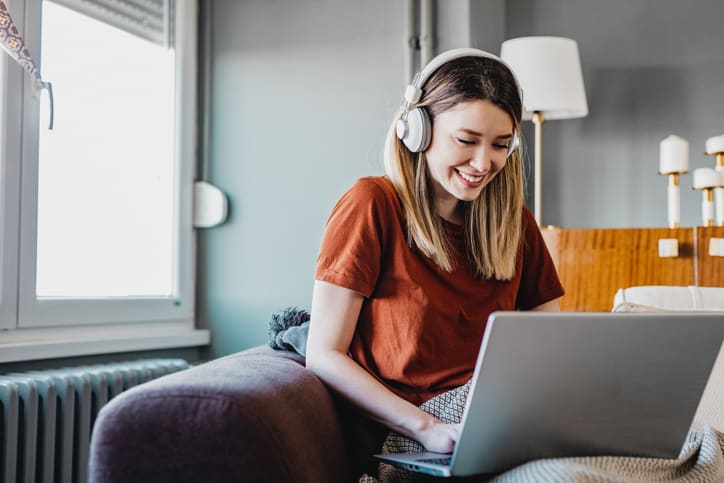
point(412, 263)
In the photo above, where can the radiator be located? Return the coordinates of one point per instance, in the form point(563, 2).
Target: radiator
point(47, 416)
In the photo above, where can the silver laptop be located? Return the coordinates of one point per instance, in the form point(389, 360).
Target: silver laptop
point(550, 385)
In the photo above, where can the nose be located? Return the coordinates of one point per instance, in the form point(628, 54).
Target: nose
point(481, 160)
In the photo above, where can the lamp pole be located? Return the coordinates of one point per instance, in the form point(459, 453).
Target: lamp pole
point(538, 167)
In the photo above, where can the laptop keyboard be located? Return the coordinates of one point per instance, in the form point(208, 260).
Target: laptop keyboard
point(437, 461)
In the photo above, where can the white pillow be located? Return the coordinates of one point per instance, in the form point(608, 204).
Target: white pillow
point(669, 298)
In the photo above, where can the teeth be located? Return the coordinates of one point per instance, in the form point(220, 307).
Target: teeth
point(472, 179)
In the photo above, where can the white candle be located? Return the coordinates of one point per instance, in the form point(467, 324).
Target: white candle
point(719, 197)
point(715, 145)
point(707, 210)
point(674, 197)
point(706, 179)
point(673, 155)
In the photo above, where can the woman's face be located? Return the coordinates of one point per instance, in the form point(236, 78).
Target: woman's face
point(469, 147)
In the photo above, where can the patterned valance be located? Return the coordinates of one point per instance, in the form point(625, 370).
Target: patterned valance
point(12, 42)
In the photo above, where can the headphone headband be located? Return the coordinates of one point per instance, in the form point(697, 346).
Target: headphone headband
point(414, 90)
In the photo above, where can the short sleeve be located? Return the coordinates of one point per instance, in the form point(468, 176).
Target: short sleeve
point(539, 280)
point(354, 239)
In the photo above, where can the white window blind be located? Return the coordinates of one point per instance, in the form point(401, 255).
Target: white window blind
point(149, 19)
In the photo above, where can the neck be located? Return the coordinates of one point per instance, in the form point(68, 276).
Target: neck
point(446, 205)
point(450, 209)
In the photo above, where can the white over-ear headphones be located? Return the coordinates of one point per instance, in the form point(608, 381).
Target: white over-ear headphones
point(414, 127)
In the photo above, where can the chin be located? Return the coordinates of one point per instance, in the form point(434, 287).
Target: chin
point(466, 193)
point(468, 196)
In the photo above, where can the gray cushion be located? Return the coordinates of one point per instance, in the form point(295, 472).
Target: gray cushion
point(258, 415)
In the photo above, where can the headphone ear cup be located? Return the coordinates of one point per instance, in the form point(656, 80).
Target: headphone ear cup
point(419, 130)
point(514, 143)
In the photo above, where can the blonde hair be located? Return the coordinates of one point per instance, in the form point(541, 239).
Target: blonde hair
point(493, 220)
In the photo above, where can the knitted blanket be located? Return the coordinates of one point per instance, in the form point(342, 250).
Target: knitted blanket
point(701, 459)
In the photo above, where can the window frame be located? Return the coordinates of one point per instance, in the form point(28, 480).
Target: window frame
point(49, 321)
point(10, 108)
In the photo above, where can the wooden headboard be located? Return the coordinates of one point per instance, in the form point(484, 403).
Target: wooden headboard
point(594, 263)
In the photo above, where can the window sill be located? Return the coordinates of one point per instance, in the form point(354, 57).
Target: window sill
point(34, 344)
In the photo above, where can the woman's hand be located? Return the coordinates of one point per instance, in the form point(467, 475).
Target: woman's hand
point(335, 312)
point(439, 437)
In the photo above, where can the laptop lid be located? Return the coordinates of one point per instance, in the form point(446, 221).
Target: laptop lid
point(559, 384)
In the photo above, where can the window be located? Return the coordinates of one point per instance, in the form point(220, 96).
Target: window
point(97, 236)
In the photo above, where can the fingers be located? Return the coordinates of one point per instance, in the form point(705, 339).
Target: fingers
point(441, 438)
point(454, 431)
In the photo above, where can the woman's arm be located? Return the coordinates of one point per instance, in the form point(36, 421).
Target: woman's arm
point(335, 311)
point(551, 306)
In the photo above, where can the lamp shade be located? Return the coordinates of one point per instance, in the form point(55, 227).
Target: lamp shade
point(549, 72)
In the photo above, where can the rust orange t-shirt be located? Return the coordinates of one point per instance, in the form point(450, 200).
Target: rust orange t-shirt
point(420, 328)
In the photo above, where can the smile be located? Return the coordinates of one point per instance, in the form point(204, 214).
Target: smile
point(470, 179)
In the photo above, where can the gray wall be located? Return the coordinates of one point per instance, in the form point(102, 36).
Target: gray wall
point(651, 68)
point(302, 93)
point(469, 23)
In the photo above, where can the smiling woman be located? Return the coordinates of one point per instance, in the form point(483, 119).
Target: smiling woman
point(493, 218)
point(413, 263)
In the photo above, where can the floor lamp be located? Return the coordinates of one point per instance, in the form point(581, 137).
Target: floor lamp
point(549, 72)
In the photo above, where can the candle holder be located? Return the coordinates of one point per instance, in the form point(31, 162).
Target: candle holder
point(673, 162)
point(715, 147)
point(706, 180)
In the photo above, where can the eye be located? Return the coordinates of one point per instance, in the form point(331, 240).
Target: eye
point(501, 146)
point(465, 141)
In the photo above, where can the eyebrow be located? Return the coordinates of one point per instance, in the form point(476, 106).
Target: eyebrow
point(476, 133)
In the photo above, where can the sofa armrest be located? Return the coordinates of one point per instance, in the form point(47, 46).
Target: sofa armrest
point(258, 415)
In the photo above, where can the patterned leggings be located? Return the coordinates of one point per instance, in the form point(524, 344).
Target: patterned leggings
point(447, 407)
